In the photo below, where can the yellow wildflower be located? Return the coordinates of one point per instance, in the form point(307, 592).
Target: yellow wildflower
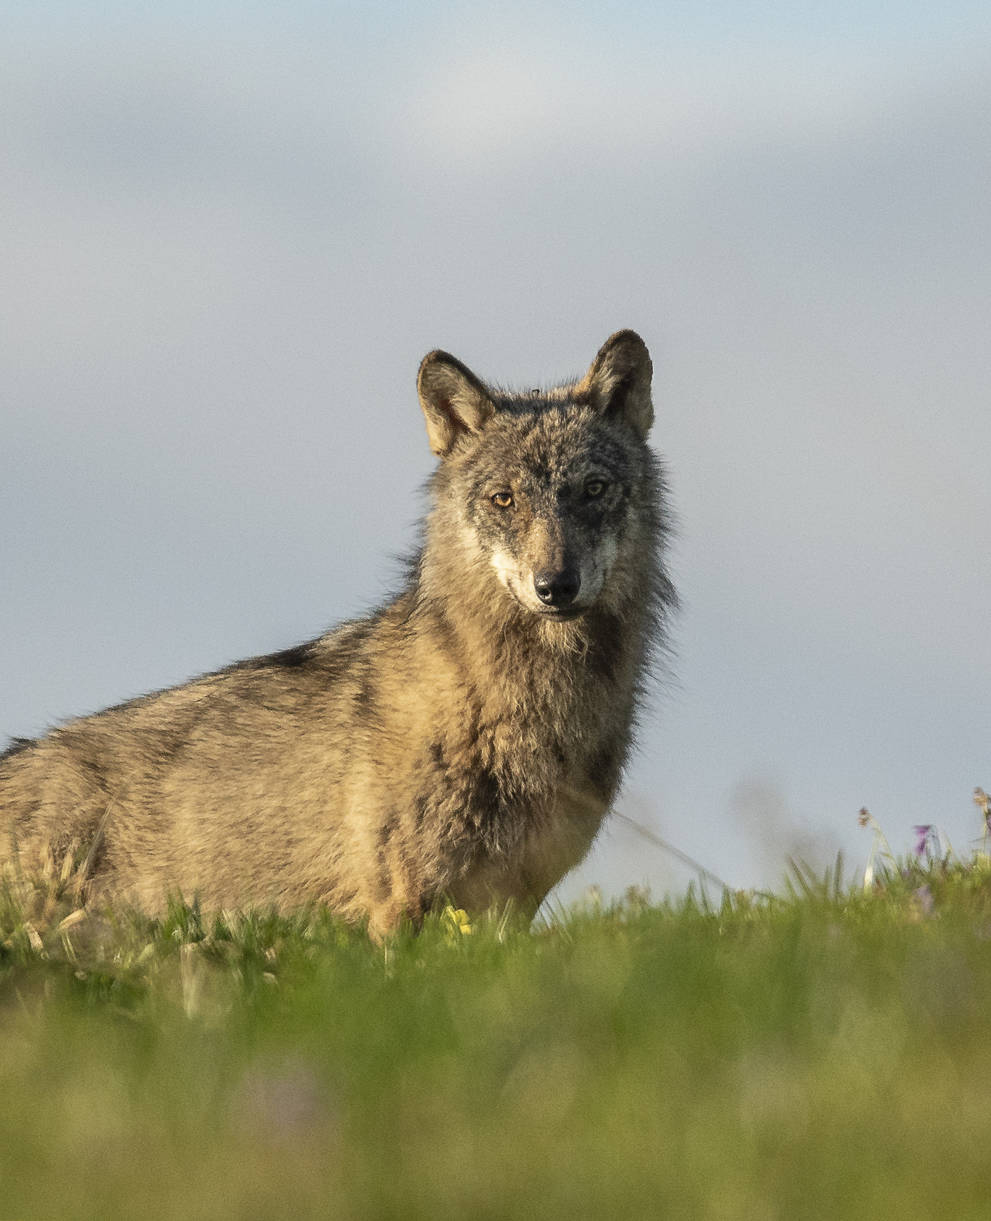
point(459, 920)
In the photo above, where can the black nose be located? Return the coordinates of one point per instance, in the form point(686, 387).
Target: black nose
point(557, 588)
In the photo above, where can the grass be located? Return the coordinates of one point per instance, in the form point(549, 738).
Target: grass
point(822, 1053)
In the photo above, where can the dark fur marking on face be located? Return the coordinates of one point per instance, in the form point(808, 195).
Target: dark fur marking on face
point(420, 811)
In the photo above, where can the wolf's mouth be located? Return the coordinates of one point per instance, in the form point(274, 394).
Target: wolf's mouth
point(563, 613)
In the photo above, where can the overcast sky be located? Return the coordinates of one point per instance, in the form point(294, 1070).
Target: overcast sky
point(230, 231)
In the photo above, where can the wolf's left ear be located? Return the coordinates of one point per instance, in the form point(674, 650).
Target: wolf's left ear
point(618, 382)
point(454, 401)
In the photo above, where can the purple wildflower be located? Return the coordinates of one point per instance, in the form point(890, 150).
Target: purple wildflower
point(923, 836)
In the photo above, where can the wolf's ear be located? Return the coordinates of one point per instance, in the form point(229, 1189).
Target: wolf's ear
point(618, 382)
point(454, 401)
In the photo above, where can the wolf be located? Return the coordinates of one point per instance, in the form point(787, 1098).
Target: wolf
point(461, 744)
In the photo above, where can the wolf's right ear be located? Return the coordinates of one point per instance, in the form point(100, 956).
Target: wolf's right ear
point(618, 383)
point(454, 401)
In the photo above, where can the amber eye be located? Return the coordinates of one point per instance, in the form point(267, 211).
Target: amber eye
point(595, 487)
point(502, 499)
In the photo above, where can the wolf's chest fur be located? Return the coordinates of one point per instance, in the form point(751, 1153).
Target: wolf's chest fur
point(462, 743)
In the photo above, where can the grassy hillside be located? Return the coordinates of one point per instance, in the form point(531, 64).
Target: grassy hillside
point(826, 1053)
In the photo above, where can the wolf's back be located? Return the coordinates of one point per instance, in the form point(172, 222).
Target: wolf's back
point(207, 788)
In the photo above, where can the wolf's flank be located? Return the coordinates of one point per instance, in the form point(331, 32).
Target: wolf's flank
point(459, 746)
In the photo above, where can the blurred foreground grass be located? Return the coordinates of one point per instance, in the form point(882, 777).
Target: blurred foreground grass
point(826, 1053)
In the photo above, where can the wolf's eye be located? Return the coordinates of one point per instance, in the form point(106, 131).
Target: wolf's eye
point(502, 499)
point(595, 487)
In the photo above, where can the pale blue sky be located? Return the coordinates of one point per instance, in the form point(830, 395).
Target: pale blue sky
point(231, 231)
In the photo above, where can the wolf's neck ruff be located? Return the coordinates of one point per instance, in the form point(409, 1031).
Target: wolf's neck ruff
point(464, 742)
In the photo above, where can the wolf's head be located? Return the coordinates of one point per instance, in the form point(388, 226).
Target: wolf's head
point(549, 494)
